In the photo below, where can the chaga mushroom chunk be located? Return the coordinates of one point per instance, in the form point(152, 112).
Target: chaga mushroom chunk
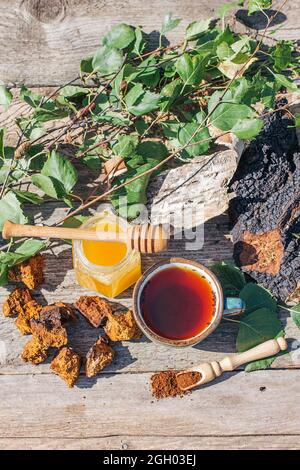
point(122, 327)
point(67, 365)
point(30, 272)
point(265, 211)
point(31, 311)
point(15, 303)
point(49, 330)
point(99, 356)
point(94, 309)
point(34, 351)
point(60, 313)
point(67, 312)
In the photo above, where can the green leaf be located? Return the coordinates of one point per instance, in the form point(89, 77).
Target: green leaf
point(190, 69)
point(126, 145)
point(134, 94)
point(264, 363)
point(247, 128)
point(141, 102)
point(190, 134)
point(147, 72)
point(11, 209)
point(258, 5)
point(24, 251)
point(283, 81)
point(3, 274)
point(74, 222)
point(257, 327)
point(297, 119)
point(152, 149)
point(168, 65)
point(141, 126)
point(282, 55)
point(139, 44)
point(117, 119)
point(260, 365)
point(30, 97)
point(267, 93)
point(72, 91)
point(170, 92)
point(119, 37)
point(295, 314)
point(107, 60)
point(129, 202)
point(45, 115)
point(30, 247)
point(92, 161)
point(169, 23)
point(195, 29)
point(232, 279)
point(28, 196)
point(170, 128)
point(50, 186)
point(256, 296)
point(6, 97)
point(226, 115)
point(86, 65)
point(61, 169)
point(224, 51)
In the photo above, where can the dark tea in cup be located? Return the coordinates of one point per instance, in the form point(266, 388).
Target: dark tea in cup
point(177, 303)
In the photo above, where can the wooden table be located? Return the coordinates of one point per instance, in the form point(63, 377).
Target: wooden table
point(43, 45)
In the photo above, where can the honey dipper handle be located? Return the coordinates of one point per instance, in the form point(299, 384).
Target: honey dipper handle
point(266, 349)
point(145, 238)
point(19, 230)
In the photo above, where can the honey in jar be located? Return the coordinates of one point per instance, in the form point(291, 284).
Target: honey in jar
point(107, 267)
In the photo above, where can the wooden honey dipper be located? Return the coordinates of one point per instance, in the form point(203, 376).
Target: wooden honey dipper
point(146, 238)
point(208, 371)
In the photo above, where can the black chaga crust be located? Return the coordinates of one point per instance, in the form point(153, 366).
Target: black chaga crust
point(266, 209)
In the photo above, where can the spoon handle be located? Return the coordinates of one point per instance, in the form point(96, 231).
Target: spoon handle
point(266, 349)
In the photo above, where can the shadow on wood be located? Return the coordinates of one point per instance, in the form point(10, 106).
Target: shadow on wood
point(259, 20)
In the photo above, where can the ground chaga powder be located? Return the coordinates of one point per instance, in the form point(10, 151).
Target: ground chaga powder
point(188, 379)
point(164, 384)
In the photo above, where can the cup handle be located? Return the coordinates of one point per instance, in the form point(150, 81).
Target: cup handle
point(233, 306)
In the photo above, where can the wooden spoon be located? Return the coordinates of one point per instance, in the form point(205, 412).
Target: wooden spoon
point(146, 238)
point(208, 371)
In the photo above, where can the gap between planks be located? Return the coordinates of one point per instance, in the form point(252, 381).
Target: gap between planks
point(129, 372)
point(153, 442)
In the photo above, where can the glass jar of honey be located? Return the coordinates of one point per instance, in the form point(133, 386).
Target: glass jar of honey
point(107, 267)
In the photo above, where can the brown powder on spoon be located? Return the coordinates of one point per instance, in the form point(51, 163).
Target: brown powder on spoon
point(164, 384)
point(188, 379)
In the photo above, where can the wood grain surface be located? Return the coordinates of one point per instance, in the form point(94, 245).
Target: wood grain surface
point(117, 404)
point(42, 43)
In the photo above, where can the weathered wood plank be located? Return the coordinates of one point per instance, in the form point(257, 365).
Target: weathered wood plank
point(43, 42)
point(132, 356)
point(124, 443)
point(41, 405)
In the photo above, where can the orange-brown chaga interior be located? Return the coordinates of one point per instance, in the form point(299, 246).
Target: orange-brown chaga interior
point(262, 252)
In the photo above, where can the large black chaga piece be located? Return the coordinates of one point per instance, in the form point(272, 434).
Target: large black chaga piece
point(266, 208)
